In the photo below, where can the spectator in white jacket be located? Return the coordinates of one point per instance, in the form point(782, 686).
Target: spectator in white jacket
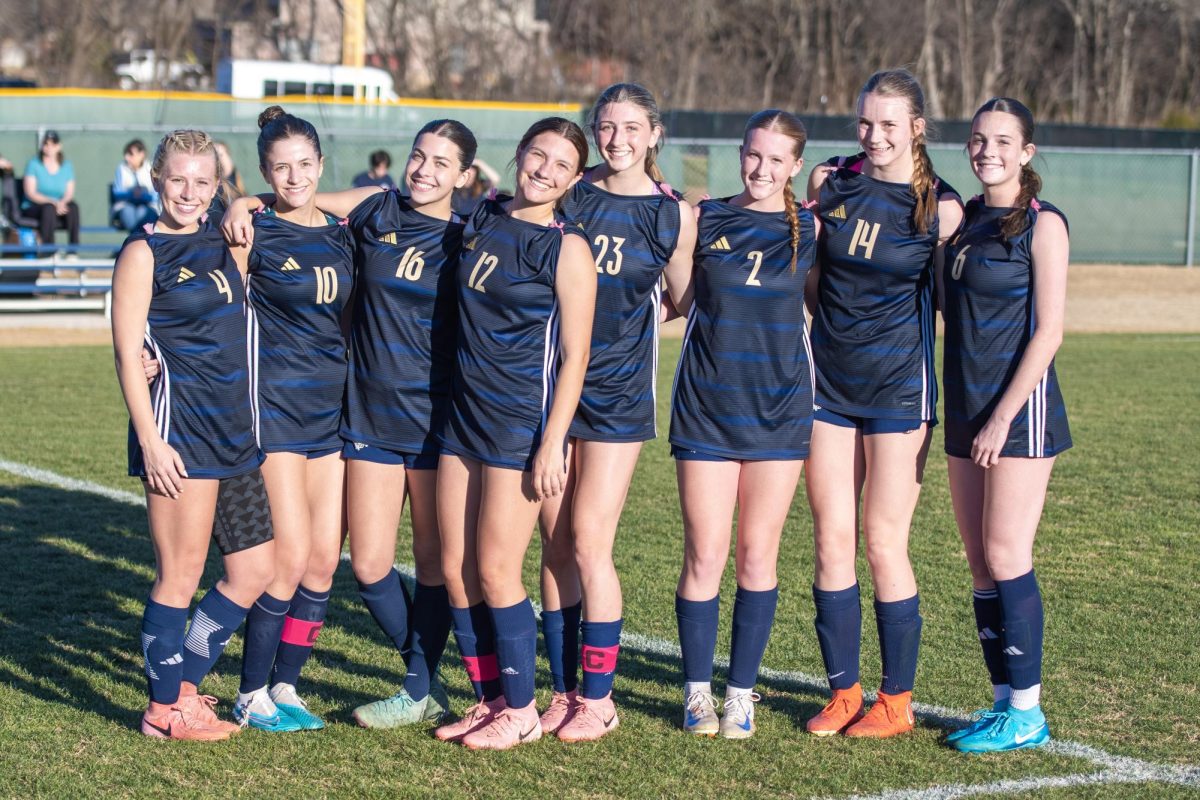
point(135, 202)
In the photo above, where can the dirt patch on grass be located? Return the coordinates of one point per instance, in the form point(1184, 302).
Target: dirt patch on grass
point(1101, 298)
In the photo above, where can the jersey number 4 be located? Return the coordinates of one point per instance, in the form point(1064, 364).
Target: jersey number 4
point(222, 285)
point(613, 266)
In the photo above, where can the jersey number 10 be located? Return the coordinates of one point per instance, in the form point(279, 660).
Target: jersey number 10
point(327, 284)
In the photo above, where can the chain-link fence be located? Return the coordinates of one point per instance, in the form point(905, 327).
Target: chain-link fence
point(1124, 206)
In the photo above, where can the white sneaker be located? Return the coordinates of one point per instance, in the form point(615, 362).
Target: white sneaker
point(700, 714)
point(738, 720)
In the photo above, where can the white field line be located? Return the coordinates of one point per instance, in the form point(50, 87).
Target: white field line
point(1114, 769)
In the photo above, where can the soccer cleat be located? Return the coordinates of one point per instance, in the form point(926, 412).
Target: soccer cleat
point(398, 710)
point(979, 720)
point(592, 720)
point(738, 719)
point(474, 718)
point(842, 711)
point(289, 703)
point(506, 729)
point(891, 715)
point(180, 723)
point(562, 707)
point(201, 707)
point(260, 712)
point(700, 715)
point(1013, 729)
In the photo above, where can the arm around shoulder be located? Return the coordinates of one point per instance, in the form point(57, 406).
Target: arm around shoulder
point(678, 272)
point(816, 180)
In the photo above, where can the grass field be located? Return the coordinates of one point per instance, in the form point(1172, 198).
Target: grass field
point(1117, 558)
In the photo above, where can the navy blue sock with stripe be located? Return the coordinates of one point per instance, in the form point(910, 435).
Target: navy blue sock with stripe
point(697, 620)
point(989, 626)
point(560, 632)
point(430, 629)
point(601, 643)
point(264, 623)
point(387, 600)
point(753, 616)
point(216, 619)
point(477, 644)
point(1021, 607)
point(516, 651)
point(899, 625)
point(162, 642)
point(839, 633)
point(301, 627)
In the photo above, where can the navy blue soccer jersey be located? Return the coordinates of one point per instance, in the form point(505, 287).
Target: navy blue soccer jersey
point(299, 281)
point(989, 307)
point(743, 389)
point(873, 331)
point(632, 239)
point(196, 329)
point(508, 349)
point(404, 326)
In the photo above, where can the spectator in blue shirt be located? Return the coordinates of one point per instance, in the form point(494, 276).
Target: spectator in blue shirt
point(49, 185)
point(135, 202)
point(377, 175)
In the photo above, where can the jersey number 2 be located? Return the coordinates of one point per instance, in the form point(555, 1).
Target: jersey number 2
point(756, 257)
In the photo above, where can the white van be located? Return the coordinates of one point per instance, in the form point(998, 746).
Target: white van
point(255, 80)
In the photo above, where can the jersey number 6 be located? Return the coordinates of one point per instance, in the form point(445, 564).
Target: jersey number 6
point(957, 267)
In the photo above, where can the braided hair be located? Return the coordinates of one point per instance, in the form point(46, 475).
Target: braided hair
point(778, 121)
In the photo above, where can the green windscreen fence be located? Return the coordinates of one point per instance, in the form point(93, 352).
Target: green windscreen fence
point(1124, 206)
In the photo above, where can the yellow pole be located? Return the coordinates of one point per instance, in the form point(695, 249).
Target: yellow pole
point(354, 30)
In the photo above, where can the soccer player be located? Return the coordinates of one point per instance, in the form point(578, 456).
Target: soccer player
point(637, 227)
point(742, 414)
point(402, 337)
point(1003, 282)
point(299, 281)
point(177, 290)
point(526, 295)
point(884, 213)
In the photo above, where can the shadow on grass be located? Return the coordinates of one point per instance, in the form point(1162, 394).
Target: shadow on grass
point(80, 568)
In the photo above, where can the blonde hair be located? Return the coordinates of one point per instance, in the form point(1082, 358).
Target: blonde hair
point(193, 143)
point(902, 83)
point(778, 121)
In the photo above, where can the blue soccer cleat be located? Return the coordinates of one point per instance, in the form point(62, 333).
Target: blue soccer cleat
point(1012, 730)
point(979, 720)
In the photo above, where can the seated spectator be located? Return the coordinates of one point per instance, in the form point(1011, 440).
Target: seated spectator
point(483, 180)
point(135, 202)
point(377, 175)
point(229, 171)
point(49, 185)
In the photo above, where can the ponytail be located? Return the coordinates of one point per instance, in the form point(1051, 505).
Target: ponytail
point(793, 216)
point(923, 186)
point(1013, 223)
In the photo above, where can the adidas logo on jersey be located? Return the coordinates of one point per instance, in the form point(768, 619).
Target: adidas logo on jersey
point(719, 244)
point(290, 265)
point(471, 244)
point(184, 274)
point(839, 212)
point(388, 238)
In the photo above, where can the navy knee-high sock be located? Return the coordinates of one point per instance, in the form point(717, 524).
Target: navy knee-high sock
point(1021, 607)
point(387, 600)
point(989, 626)
point(560, 631)
point(162, 641)
point(516, 651)
point(753, 615)
point(430, 629)
point(697, 621)
point(477, 645)
point(899, 625)
point(301, 627)
point(264, 623)
point(839, 633)
point(216, 619)
point(601, 643)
